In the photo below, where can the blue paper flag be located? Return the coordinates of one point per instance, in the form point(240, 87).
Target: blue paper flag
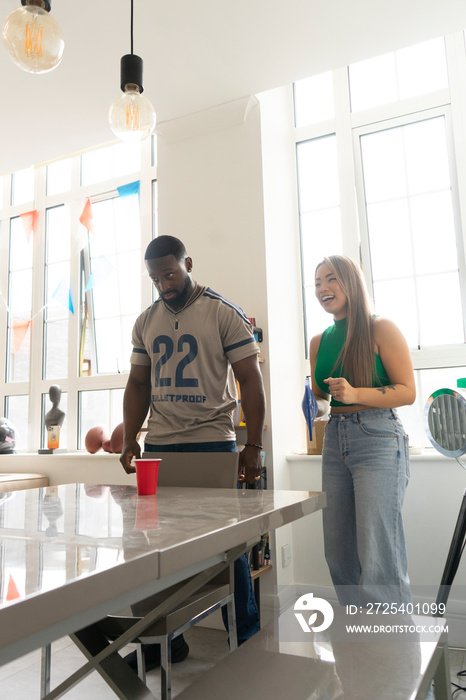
point(63, 295)
point(131, 188)
point(103, 268)
point(310, 408)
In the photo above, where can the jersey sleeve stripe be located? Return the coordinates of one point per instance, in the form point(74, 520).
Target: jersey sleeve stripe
point(239, 345)
point(213, 295)
point(140, 350)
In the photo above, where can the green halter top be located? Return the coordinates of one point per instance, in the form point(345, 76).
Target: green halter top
point(331, 343)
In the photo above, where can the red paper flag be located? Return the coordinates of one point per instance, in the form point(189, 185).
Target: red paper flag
point(12, 591)
point(20, 328)
point(86, 217)
point(30, 220)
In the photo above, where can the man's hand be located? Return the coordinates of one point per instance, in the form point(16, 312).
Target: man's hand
point(249, 377)
point(136, 402)
point(250, 465)
point(130, 449)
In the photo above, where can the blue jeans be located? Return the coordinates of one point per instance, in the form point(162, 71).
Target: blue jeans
point(365, 471)
point(247, 613)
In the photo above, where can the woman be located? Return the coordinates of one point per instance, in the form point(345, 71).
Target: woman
point(362, 364)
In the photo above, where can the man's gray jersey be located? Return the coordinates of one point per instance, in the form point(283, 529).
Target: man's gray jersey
point(193, 393)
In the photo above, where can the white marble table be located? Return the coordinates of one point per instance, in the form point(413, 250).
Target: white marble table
point(74, 553)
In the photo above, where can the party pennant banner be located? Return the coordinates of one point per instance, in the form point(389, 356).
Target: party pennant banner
point(103, 268)
point(87, 218)
point(63, 295)
point(130, 189)
point(30, 221)
point(20, 328)
point(12, 591)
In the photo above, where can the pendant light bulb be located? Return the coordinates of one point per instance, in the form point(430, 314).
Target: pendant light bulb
point(132, 117)
point(33, 37)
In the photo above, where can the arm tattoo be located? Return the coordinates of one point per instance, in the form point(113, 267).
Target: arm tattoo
point(383, 389)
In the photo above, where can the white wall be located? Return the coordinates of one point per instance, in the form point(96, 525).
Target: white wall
point(210, 196)
point(284, 294)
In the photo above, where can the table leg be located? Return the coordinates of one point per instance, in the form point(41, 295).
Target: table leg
point(442, 676)
point(45, 661)
point(102, 655)
point(124, 682)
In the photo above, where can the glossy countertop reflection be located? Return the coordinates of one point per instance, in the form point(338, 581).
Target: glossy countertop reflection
point(71, 554)
point(55, 535)
point(331, 665)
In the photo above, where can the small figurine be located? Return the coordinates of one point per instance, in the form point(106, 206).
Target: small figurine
point(54, 418)
point(52, 509)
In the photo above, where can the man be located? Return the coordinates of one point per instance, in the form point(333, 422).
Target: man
point(188, 347)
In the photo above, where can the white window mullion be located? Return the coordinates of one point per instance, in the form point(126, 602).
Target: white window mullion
point(148, 173)
point(346, 165)
point(364, 252)
point(4, 265)
point(456, 134)
point(431, 358)
point(90, 318)
point(75, 209)
point(37, 326)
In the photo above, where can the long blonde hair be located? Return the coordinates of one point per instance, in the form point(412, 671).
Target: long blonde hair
point(357, 356)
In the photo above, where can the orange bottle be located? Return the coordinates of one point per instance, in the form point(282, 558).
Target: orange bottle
point(53, 437)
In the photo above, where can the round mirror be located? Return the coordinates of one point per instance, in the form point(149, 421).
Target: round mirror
point(445, 422)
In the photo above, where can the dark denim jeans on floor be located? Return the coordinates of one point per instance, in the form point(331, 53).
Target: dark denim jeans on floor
point(247, 613)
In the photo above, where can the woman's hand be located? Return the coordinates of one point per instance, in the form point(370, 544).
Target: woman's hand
point(341, 390)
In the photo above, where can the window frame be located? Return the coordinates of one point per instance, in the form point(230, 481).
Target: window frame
point(72, 384)
point(348, 128)
point(422, 357)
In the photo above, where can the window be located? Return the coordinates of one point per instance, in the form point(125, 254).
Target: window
point(382, 182)
point(110, 162)
point(72, 286)
point(22, 186)
point(313, 99)
point(320, 216)
point(17, 411)
point(408, 202)
point(399, 75)
point(19, 301)
point(103, 408)
point(59, 176)
point(112, 271)
point(58, 299)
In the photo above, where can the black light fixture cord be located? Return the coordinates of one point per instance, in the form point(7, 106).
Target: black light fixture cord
point(132, 13)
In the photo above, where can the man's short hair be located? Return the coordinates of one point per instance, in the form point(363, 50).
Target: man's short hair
point(162, 246)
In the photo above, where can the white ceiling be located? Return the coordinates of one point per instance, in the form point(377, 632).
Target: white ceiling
point(197, 53)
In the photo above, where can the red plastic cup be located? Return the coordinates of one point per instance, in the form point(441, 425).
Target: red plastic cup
point(147, 471)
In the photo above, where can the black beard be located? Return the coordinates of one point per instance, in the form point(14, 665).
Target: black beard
point(177, 302)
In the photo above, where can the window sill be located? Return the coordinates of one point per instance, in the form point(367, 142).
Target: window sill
point(415, 454)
